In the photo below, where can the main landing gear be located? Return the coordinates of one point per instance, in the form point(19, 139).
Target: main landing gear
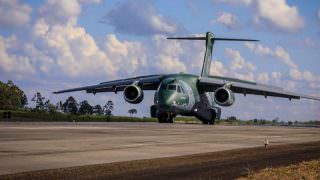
point(210, 119)
point(165, 118)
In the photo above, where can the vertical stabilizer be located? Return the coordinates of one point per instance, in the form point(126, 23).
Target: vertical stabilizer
point(207, 55)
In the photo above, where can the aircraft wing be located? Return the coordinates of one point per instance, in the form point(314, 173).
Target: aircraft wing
point(210, 84)
point(150, 82)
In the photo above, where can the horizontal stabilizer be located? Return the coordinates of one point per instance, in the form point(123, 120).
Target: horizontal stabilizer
point(214, 39)
point(188, 38)
point(233, 39)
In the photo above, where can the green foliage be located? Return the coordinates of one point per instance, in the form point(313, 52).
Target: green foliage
point(11, 96)
point(62, 117)
point(97, 109)
point(108, 108)
point(85, 108)
point(70, 106)
point(132, 111)
point(39, 100)
point(232, 118)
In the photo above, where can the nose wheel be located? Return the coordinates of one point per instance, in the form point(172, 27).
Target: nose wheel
point(165, 118)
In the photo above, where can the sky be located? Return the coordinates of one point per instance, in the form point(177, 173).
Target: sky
point(51, 45)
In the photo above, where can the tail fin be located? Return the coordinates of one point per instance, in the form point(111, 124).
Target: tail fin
point(210, 39)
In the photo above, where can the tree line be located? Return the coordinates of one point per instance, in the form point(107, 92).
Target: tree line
point(71, 106)
point(14, 98)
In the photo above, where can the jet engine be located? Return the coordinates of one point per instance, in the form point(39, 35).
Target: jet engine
point(224, 96)
point(133, 94)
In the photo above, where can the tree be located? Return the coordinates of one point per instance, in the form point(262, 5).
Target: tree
point(275, 120)
point(59, 106)
point(85, 108)
point(108, 108)
point(51, 108)
point(70, 106)
point(97, 109)
point(11, 96)
point(232, 118)
point(38, 99)
point(132, 111)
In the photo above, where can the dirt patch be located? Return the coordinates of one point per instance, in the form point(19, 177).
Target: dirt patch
point(304, 170)
point(223, 165)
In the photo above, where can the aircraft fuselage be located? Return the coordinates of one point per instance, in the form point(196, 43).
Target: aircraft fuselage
point(179, 94)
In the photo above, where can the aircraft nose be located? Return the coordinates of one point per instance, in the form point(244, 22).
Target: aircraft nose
point(166, 99)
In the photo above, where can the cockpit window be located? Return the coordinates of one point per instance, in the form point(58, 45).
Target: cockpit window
point(179, 90)
point(172, 87)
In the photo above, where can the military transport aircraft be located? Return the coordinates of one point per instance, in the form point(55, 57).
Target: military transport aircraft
point(187, 94)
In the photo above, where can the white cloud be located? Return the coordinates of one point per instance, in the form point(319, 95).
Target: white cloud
point(238, 62)
point(126, 56)
point(159, 23)
point(273, 13)
point(12, 63)
point(60, 11)
point(240, 2)
point(314, 85)
point(258, 48)
point(217, 68)
point(291, 85)
point(14, 14)
point(279, 53)
point(284, 57)
point(227, 19)
point(303, 75)
point(90, 1)
point(131, 17)
point(249, 76)
point(276, 75)
point(278, 14)
point(263, 77)
point(170, 64)
point(167, 55)
point(73, 50)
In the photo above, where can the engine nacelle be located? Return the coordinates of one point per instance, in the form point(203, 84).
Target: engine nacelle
point(224, 96)
point(133, 94)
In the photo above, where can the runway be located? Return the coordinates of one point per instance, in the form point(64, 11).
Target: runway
point(37, 146)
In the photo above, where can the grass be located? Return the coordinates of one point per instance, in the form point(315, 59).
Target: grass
point(305, 170)
point(61, 117)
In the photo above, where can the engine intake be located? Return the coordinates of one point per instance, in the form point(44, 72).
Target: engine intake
point(224, 96)
point(133, 94)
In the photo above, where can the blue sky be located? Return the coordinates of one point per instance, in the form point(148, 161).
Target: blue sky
point(56, 44)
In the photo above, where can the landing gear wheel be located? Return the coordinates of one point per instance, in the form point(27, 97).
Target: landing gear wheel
point(170, 119)
point(165, 118)
point(204, 122)
point(213, 117)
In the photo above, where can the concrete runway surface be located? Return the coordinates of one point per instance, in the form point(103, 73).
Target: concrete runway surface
point(37, 146)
